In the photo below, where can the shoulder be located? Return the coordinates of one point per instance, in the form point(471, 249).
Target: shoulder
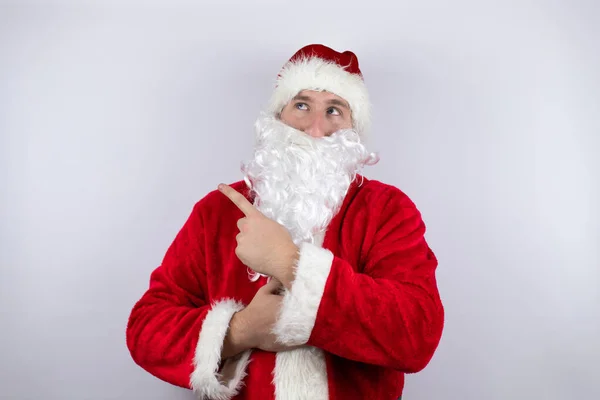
point(214, 202)
point(385, 205)
point(382, 194)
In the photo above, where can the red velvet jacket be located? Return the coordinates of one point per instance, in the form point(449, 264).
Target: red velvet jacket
point(364, 304)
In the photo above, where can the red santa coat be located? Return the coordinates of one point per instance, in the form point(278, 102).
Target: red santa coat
point(364, 305)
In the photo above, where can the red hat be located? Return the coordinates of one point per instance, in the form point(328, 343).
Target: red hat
point(318, 67)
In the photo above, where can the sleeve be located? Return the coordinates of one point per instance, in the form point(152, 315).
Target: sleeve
point(388, 314)
point(174, 333)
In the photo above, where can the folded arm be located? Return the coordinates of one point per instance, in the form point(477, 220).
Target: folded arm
point(388, 314)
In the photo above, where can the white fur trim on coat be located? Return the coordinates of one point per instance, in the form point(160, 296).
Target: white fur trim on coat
point(207, 380)
point(317, 74)
point(301, 303)
point(301, 374)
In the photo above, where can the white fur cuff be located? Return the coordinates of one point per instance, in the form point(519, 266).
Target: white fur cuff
point(207, 380)
point(301, 303)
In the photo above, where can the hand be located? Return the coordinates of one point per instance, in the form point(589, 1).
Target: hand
point(263, 245)
point(259, 317)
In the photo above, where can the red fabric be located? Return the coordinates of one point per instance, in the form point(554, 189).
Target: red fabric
point(258, 384)
point(380, 316)
point(383, 293)
point(346, 60)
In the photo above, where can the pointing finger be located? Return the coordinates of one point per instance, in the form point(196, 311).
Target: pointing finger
point(239, 200)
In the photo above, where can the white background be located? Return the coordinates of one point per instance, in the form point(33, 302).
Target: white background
point(116, 117)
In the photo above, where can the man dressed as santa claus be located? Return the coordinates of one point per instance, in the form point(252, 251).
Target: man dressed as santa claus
point(304, 280)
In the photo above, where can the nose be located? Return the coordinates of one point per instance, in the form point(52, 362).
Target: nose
point(317, 127)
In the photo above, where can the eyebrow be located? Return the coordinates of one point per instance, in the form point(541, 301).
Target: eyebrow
point(334, 102)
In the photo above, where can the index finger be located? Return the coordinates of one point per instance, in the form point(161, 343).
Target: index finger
point(238, 199)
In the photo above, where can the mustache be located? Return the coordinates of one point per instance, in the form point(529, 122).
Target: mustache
point(275, 136)
point(270, 127)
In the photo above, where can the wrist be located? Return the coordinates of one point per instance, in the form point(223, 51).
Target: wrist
point(240, 324)
point(286, 273)
point(236, 340)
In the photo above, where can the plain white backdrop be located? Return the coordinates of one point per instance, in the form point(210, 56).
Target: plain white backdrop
point(116, 117)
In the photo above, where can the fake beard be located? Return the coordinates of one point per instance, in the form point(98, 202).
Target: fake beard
point(300, 181)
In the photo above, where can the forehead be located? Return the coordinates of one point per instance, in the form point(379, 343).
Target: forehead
point(316, 96)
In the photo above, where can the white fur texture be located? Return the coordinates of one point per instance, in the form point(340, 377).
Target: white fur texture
point(301, 303)
point(206, 380)
point(301, 374)
point(317, 74)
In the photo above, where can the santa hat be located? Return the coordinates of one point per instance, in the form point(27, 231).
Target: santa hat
point(318, 67)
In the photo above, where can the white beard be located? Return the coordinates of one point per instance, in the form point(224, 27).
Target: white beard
point(300, 181)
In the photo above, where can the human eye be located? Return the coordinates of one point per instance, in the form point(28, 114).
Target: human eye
point(333, 111)
point(300, 105)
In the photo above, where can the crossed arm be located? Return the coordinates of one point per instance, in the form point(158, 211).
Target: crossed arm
point(388, 314)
